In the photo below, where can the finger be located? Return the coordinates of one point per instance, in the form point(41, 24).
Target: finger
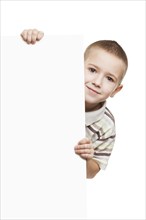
point(84, 146)
point(29, 36)
point(84, 151)
point(33, 38)
point(86, 156)
point(84, 141)
point(24, 35)
point(40, 35)
point(35, 32)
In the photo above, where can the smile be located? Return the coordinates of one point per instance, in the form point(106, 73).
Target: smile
point(94, 91)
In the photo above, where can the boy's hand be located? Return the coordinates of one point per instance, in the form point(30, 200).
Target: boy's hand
point(30, 36)
point(84, 149)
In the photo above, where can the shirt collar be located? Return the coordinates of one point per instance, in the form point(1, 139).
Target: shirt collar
point(94, 116)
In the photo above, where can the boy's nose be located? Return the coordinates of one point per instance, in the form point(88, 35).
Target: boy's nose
point(97, 81)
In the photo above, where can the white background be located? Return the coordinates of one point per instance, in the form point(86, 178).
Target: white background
point(119, 192)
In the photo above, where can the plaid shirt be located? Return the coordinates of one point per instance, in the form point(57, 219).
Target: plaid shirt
point(100, 129)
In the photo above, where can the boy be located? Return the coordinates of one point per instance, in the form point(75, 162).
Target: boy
point(105, 65)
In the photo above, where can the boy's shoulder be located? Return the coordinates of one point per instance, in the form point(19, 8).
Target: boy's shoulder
point(109, 115)
point(102, 115)
point(101, 126)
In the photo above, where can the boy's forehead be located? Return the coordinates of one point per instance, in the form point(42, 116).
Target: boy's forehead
point(100, 55)
point(98, 51)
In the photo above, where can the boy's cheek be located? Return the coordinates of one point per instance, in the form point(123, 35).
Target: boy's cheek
point(86, 94)
point(87, 79)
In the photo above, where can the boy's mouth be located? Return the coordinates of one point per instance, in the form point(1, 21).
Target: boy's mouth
point(92, 90)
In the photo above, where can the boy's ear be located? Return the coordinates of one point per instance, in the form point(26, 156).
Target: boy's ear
point(118, 89)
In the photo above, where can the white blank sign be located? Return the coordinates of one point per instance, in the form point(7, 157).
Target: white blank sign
point(42, 120)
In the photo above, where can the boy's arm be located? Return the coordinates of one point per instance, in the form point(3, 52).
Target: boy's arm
point(92, 168)
point(86, 151)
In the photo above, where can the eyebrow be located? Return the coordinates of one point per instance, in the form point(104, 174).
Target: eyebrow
point(97, 67)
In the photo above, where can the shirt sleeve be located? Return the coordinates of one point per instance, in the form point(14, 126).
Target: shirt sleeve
point(103, 147)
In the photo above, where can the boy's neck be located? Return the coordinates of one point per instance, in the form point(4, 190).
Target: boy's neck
point(93, 108)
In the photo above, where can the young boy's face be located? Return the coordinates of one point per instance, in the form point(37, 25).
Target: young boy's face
point(103, 72)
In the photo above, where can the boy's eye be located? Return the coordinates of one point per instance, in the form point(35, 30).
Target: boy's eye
point(92, 70)
point(110, 79)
